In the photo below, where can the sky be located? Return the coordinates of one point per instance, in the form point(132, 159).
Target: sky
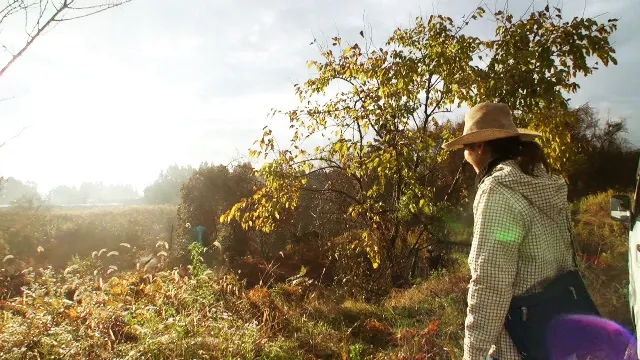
point(118, 96)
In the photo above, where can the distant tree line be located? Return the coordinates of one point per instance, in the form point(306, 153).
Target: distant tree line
point(92, 193)
point(166, 188)
point(18, 193)
point(13, 191)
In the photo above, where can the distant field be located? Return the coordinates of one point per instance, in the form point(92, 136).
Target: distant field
point(71, 206)
point(62, 232)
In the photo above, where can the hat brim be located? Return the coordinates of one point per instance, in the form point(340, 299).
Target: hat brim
point(490, 134)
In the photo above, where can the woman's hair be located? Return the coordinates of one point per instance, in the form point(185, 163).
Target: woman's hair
point(527, 154)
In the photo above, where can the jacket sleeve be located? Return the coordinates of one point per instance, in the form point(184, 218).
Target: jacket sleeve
point(498, 230)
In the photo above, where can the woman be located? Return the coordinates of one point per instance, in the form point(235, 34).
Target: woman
point(521, 225)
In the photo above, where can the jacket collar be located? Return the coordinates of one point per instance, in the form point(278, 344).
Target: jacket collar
point(488, 169)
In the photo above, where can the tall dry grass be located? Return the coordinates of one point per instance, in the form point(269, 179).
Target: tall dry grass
point(603, 249)
point(52, 238)
point(81, 309)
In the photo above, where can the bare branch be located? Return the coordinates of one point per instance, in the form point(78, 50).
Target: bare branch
point(455, 180)
point(13, 137)
point(9, 7)
point(100, 8)
point(31, 40)
point(40, 26)
point(333, 190)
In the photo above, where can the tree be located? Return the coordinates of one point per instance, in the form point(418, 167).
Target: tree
point(39, 16)
point(91, 193)
point(384, 130)
point(207, 194)
point(97, 192)
point(166, 189)
point(594, 133)
point(606, 158)
point(64, 195)
point(15, 190)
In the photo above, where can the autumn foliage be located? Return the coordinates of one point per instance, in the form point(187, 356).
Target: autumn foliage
point(382, 135)
point(351, 248)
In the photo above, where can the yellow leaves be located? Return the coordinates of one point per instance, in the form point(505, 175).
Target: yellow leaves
point(72, 313)
point(117, 286)
point(374, 256)
point(479, 13)
point(423, 204)
point(226, 217)
point(274, 201)
point(427, 68)
point(541, 57)
point(311, 64)
point(554, 125)
point(253, 154)
point(371, 248)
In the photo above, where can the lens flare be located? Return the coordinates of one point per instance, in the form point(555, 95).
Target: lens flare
point(586, 337)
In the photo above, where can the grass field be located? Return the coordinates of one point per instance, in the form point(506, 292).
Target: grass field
point(100, 307)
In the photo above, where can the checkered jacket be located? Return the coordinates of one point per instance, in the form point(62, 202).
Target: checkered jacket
point(520, 239)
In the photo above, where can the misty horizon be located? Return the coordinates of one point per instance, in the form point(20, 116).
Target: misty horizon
point(187, 84)
point(139, 189)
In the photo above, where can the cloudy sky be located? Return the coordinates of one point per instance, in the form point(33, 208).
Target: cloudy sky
point(118, 96)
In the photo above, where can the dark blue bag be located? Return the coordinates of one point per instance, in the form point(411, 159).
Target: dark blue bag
point(530, 316)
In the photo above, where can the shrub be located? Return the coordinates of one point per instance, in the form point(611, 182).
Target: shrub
point(603, 246)
point(595, 232)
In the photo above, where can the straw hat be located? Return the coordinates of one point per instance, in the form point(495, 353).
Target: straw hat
point(489, 121)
